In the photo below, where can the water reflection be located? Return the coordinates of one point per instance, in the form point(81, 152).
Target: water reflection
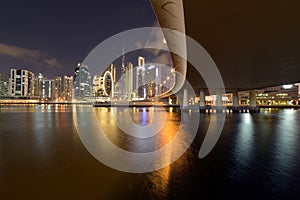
point(41, 154)
point(245, 140)
point(156, 184)
point(284, 154)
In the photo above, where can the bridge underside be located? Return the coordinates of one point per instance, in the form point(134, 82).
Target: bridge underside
point(255, 44)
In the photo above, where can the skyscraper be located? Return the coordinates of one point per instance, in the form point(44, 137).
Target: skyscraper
point(57, 88)
point(37, 85)
point(113, 72)
point(21, 83)
point(46, 89)
point(130, 79)
point(140, 78)
point(152, 80)
point(68, 88)
point(82, 82)
point(97, 82)
point(122, 83)
point(4, 85)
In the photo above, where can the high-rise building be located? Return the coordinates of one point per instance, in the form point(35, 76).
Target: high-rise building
point(113, 71)
point(97, 82)
point(37, 84)
point(140, 78)
point(122, 82)
point(68, 88)
point(36, 87)
point(46, 89)
point(57, 88)
point(82, 82)
point(153, 80)
point(4, 85)
point(77, 70)
point(127, 80)
point(21, 83)
point(130, 79)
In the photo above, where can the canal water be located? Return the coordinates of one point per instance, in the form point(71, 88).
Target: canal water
point(42, 157)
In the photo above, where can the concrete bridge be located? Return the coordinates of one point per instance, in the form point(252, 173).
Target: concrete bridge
point(254, 44)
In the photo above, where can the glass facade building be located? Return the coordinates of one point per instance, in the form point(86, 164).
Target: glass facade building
point(82, 82)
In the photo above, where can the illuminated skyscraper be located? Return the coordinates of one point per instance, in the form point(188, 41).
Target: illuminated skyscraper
point(152, 80)
point(113, 72)
point(97, 81)
point(130, 78)
point(4, 85)
point(68, 88)
point(82, 82)
point(46, 89)
point(140, 78)
point(37, 85)
point(21, 83)
point(57, 88)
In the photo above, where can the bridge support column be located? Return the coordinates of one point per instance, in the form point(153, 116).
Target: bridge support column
point(235, 101)
point(202, 101)
point(170, 100)
point(219, 102)
point(202, 98)
point(252, 102)
point(252, 98)
point(185, 98)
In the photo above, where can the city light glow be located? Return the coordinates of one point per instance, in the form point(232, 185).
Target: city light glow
point(287, 86)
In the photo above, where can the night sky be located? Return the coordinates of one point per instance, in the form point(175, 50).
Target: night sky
point(52, 36)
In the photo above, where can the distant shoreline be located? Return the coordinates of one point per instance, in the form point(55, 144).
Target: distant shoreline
point(136, 105)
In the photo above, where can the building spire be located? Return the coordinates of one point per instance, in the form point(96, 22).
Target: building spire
point(123, 59)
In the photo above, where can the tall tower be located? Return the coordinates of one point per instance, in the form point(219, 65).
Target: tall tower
point(68, 88)
point(4, 85)
point(82, 82)
point(130, 79)
point(113, 72)
point(46, 89)
point(140, 78)
point(123, 60)
point(57, 88)
point(123, 79)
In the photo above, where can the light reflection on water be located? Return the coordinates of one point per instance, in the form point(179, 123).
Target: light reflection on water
point(143, 118)
point(42, 157)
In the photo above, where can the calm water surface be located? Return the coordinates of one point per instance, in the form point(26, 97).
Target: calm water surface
point(42, 157)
